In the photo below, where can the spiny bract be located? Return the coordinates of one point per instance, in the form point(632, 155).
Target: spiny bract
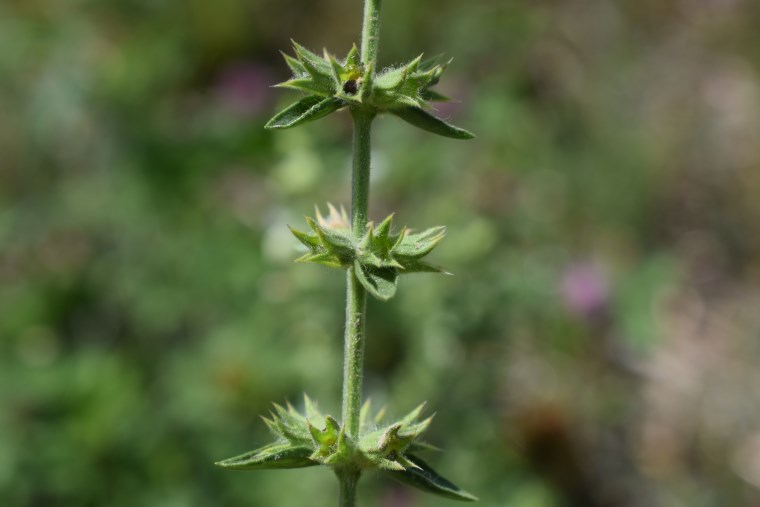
point(333, 84)
point(379, 257)
point(310, 439)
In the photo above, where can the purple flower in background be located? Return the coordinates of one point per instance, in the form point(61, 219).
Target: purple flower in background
point(243, 88)
point(584, 290)
point(455, 88)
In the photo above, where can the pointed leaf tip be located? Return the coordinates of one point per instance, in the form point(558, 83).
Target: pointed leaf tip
point(305, 110)
point(273, 457)
point(307, 85)
point(426, 121)
point(421, 476)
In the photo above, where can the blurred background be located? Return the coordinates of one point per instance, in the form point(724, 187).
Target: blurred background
point(598, 344)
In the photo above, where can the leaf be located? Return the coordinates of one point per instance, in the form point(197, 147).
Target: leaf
point(425, 478)
point(305, 110)
point(433, 96)
point(426, 121)
point(273, 456)
point(416, 266)
point(305, 85)
point(381, 283)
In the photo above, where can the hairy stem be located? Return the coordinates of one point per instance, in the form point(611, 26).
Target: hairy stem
point(356, 295)
point(356, 300)
point(348, 480)
point(371, 32)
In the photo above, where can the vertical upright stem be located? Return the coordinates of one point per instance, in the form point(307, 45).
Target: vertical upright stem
point(356, 303)
point(356, 295)
point(356, 300)
point(360, 171)
point(348, 480)
point(371, 32)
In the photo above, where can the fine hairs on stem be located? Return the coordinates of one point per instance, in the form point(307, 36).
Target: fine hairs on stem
point(374, 258)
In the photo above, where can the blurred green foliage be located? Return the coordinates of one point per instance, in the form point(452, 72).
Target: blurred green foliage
point(599, 344)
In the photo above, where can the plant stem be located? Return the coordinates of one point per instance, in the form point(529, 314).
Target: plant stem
point(371, 32)
point(356, 299)
point(356, 303)
point(356, 295)
point(348, 480)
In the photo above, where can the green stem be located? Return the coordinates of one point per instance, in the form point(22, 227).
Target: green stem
point(356, 303)
point(356, 300)
point(356, 295)
point(348, 480)
point(360, 172)
point(371, 32)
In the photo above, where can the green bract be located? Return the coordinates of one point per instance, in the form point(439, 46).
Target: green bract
point(380, 256)
point(332, 84)
point(310, 439)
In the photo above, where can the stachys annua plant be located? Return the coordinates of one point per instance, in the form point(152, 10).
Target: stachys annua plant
point(374, 256)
